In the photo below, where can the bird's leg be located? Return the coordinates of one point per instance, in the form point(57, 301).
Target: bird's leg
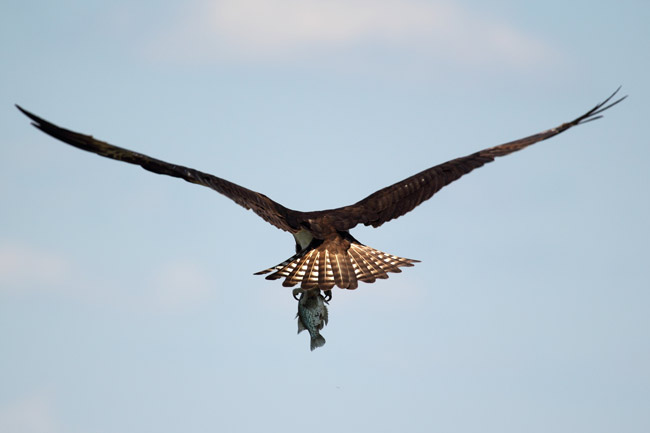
point(297, 292)
point(328, 296)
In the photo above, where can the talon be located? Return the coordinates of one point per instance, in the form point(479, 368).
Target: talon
point(297, 292)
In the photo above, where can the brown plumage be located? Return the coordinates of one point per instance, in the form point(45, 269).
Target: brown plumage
point(327, 255)
point(340, 261)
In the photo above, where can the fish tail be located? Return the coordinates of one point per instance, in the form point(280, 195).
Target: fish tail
point(317, 341)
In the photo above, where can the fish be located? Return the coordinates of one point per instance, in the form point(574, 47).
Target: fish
point(312, 314)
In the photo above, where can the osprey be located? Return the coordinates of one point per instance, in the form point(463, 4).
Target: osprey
point(327, 255)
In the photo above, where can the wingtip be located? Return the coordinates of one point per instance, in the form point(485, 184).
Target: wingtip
point(606, 104)
point(32, 116)
point(614, 94)
point(597, 112)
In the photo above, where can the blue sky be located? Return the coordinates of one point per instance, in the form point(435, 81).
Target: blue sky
point(127, 300)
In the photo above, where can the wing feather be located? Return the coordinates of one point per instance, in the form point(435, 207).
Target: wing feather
point(376, 209)
point(398, 199)
point(271, 211)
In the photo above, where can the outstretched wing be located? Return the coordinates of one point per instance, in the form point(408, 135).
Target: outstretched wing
point(398, 199)
point(269, 210)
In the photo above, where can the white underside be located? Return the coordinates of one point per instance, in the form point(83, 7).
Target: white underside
point(303, 238)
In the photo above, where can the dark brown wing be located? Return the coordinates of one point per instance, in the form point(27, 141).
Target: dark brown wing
point(398, 199)
point(269, 210)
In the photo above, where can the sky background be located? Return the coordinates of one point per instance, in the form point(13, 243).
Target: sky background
point(128, 301)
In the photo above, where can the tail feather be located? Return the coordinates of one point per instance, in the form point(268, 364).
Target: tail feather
point(374, 258)
point(332, 264)
point(326, 278)
point(343, 268)
point(361, 271)
point(299, 270)
point(310, 280)
point(371, 261)
point(367, 260)
point(284, 268)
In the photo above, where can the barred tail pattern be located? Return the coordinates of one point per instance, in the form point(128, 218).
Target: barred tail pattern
point(329, 265)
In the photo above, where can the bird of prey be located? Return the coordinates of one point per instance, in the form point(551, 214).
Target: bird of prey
point(327, 255)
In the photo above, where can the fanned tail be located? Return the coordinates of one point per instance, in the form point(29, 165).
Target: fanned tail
point(338, 262)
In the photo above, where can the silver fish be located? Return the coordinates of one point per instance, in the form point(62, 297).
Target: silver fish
point(312, 314)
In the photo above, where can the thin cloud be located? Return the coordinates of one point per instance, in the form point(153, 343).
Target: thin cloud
point(281, 30)
point(32, 414)
point(179, 285)
point(174, 286)
point(26, 266)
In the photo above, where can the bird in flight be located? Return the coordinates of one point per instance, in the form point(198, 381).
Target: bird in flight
point(327, 255)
